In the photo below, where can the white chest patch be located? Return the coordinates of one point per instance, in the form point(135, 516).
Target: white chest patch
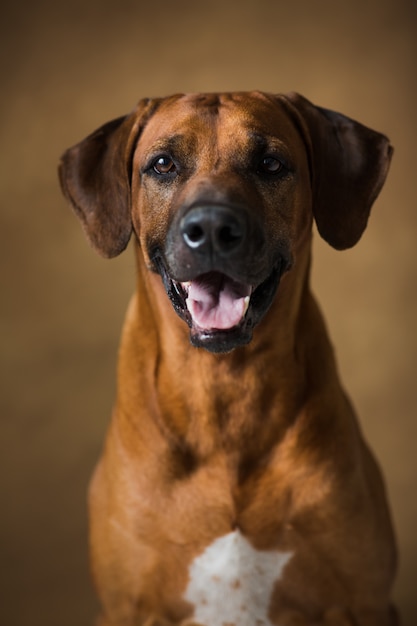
point(231, 583)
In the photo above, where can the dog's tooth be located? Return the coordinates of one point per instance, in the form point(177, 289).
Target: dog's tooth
point(247, 299)
point(186, 285)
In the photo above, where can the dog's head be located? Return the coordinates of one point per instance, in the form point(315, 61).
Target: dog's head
point(220, 189)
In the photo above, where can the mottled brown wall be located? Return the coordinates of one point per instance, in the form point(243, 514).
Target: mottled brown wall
point(66, 68)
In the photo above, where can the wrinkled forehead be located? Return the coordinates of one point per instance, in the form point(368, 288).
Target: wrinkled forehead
point(227, 121)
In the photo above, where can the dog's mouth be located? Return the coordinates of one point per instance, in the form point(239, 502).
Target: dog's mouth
point(220, 311)
point(216, 302)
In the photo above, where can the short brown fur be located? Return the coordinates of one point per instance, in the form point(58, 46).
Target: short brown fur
point(259, 438)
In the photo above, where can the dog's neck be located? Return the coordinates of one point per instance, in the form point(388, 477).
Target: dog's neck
point(215, 407)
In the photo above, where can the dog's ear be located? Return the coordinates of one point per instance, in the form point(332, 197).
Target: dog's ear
point(95, 177)
point(349, 163)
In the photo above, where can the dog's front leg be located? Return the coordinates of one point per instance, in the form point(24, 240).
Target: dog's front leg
point(151, 621)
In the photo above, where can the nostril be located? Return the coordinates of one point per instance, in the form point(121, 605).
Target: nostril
point(194, 234)
point(229, 236)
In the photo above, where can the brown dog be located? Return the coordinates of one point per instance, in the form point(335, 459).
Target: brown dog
point(235, 488)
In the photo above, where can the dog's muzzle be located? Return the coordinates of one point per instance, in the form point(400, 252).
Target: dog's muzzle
point(213, 276)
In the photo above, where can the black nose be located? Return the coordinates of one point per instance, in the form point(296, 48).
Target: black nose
point(214, 228)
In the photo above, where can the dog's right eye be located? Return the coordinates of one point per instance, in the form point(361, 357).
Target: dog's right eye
point(164, 165)
point(270, 165)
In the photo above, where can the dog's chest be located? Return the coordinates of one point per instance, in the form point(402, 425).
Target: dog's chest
point(232, 583)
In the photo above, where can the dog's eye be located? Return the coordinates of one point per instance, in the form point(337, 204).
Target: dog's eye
point(270, 165)
point(164, 165)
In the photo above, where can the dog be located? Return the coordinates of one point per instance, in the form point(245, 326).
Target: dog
point(235, 487)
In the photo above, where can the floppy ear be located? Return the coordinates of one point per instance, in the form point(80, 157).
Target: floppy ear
point(95, 177)
point(349, 163)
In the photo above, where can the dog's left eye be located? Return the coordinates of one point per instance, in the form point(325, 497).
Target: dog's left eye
point(270, 165)
point(164, 165)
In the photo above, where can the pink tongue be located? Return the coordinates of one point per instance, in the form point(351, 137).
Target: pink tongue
point(217, 302)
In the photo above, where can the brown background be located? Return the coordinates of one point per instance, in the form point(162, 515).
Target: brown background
point(66, 68)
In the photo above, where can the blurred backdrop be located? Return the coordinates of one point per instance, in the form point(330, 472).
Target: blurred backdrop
point(67, 67)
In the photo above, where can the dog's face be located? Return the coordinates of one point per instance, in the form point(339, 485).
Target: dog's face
point(221, 194)
point(221, 189)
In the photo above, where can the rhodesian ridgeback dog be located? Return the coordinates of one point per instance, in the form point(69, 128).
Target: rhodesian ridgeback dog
point(235, 487)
